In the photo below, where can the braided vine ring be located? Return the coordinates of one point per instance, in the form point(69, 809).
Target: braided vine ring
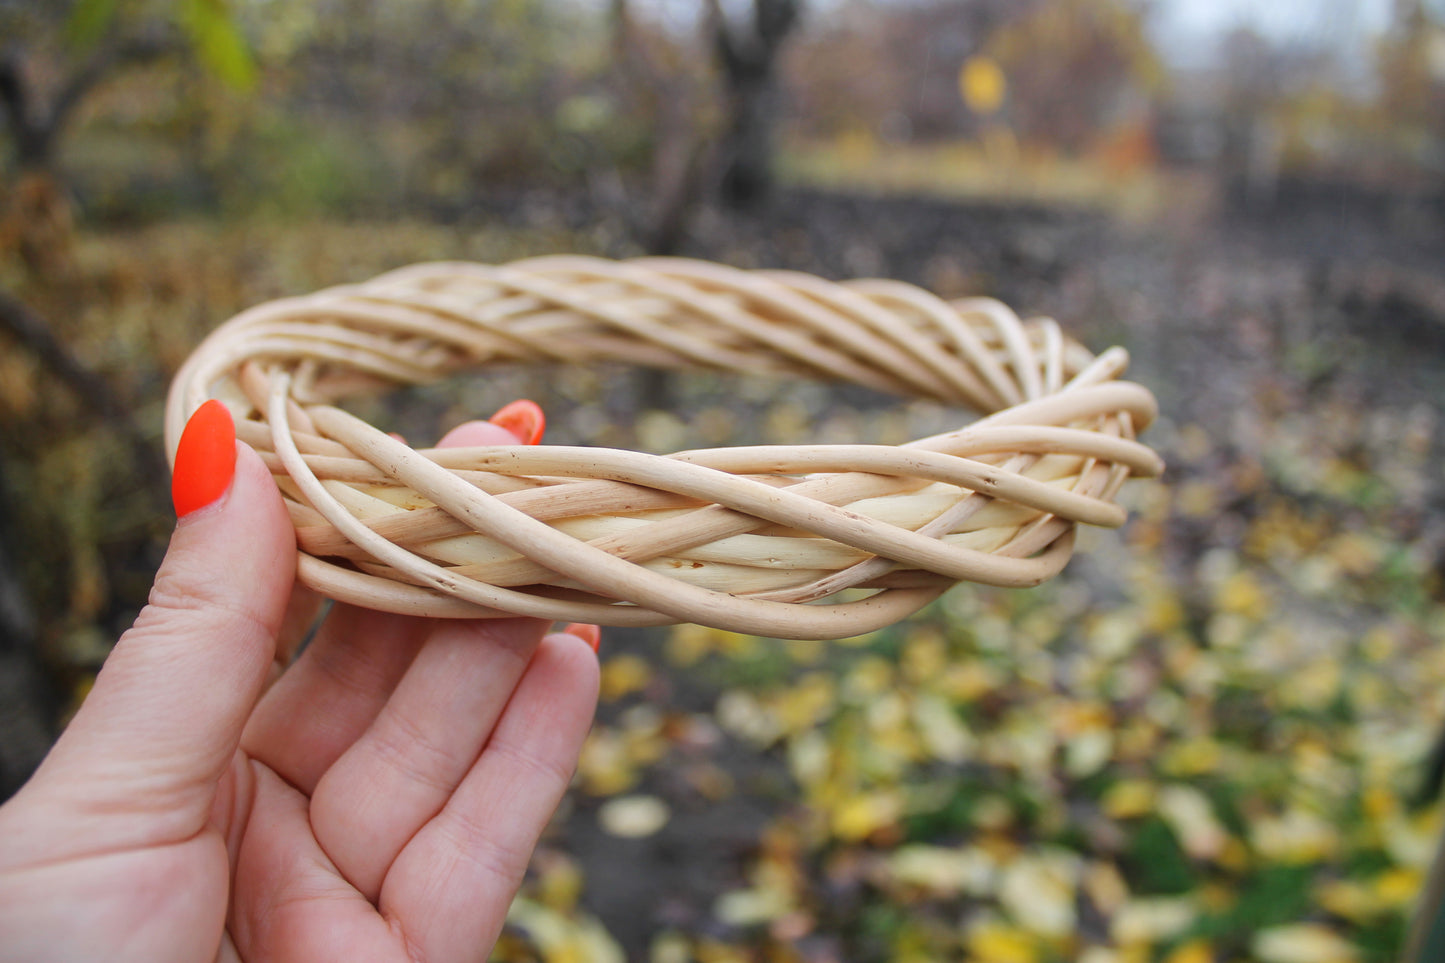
point(794, 541)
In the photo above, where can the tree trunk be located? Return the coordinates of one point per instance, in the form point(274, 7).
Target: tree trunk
point(749, 63)
point(747, 179)
point(35, 217)
point(32, 129)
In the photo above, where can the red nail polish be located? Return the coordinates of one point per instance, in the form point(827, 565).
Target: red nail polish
point(205, 459)
point(522, 418)
point(587, 632)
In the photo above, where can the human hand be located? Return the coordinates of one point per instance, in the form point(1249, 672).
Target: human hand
point(379, 801)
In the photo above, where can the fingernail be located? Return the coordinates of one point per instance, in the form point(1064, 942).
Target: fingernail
point(205, 459)
point(522, 418)
point(587, 632)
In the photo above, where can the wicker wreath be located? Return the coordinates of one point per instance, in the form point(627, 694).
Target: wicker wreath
point(796, 541)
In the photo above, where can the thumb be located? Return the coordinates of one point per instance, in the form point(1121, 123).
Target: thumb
point(143, 755)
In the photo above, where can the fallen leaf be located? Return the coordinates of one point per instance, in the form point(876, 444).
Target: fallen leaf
point(633, 817)
point(1302, 943)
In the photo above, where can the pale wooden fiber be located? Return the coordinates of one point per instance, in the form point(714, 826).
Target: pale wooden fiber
point(793, 541)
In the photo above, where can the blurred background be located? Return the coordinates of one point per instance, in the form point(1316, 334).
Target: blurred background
point(1214, 738)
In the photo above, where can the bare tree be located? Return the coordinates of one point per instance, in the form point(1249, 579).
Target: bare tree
point(748, 55)
point(35, 127)
point(679, 142)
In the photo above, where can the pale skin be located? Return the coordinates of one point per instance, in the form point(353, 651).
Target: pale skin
point(378, 800)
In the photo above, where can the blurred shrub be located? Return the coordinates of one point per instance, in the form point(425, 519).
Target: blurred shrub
point(288, 166)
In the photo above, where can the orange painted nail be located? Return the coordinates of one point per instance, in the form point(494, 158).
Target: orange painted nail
point(522, 418)
point(205, 459)
point(587, 632)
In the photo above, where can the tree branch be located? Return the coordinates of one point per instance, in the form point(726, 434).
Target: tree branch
point(102, 64)
point(14, 92)
point(774, 20)
point(725, 41)
point(17, 98)
point(34, 334)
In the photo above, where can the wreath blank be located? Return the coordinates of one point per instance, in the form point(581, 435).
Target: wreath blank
point(793, 541)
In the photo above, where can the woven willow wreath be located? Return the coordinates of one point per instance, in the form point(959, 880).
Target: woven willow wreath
point(795, 541)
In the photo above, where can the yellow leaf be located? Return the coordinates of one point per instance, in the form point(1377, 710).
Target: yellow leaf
point(994, 942)
point(1151, 920)
point(943, 870)
point(1137, 741)
point(561, 939)
point(605, 767)
point(993, 813)
point(660, 431)
point(871, 677)
point(1088, 752)
point(1195, 757)
point(1392, 891)
point(1105, 887)
point(1398, 888)
point(642, 734)
point(1195, 951)
point(709, 780)
point(1349, 900)
point(1126, 954)
point(1313, 686)
point(944, 734)
point(1295, 837)
point(1379, 803)
point(860, 816)
point(924, 656)
point(1411, 841)
point(559, 882)
point(1037, 889)
point(1164, 612)
point(749, 907)
point(742, 715)
point(633, 817)
point(967, 681)
point(1357, 554)
point(810, 757)
point(1303, 943)
point(803, 705)
point(1190, 814)
point(982, 84)
point(1241, 594)
point(1235, 856)
point(736, 644)
point(712, 951)
point(669, 947)
point(688, 644)
point(1197, 498)
point(1110, 636)
point(623, 675)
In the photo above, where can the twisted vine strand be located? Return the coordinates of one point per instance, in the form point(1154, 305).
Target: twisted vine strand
point(794, 541)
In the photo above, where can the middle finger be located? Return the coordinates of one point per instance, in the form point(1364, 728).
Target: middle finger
point(423, 741)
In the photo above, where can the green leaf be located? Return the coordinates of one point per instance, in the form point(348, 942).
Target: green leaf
point(89, 21)
point(1155, 862)
point(219, 43)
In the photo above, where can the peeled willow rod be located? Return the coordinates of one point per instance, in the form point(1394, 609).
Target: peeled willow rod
point(792, 541)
